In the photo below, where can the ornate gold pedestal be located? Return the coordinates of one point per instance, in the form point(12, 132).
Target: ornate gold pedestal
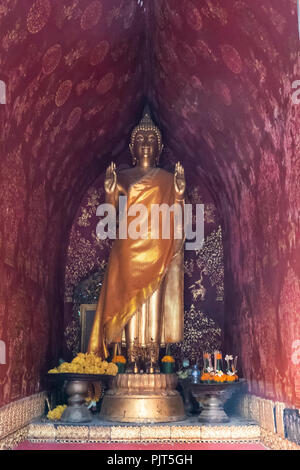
point(143, 398)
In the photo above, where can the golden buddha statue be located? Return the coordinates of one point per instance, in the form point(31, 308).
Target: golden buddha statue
point(141, 301)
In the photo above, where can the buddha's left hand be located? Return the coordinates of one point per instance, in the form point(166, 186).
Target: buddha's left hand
point(179, 181)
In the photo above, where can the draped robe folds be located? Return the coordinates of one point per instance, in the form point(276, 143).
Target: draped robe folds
point(136, 269)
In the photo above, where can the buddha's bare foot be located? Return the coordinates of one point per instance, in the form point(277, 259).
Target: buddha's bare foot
point(132, 368)
point(152, 368)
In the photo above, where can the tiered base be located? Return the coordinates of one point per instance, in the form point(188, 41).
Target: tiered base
point(143, 398)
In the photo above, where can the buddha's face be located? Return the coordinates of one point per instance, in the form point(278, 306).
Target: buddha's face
point(145, 148)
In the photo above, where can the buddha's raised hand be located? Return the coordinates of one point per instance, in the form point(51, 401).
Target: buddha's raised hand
point(110, 182)
point(179, 180)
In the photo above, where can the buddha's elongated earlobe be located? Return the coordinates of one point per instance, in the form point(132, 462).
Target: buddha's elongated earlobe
point(159, 154)
point(134, 160)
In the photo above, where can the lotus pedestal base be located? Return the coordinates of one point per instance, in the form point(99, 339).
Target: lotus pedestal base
point(143, 398)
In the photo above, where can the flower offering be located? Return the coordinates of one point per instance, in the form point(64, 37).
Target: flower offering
point(87, 363)
point(217, 374)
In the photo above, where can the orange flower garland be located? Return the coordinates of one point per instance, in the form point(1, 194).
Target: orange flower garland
point(230, 378)
point(120, 359)
point(220, 378)
point(207, 377)
point(168, 359)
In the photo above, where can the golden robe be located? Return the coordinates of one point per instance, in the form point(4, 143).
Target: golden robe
point(136, 269)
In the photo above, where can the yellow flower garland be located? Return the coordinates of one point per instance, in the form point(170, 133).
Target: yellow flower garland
point(87, 363)
point(56, 413)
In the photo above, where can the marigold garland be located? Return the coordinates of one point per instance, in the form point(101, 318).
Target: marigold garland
point(56, 413)
point(168, 359)
point(87, 363)
point(120, 359)
point(207, 377)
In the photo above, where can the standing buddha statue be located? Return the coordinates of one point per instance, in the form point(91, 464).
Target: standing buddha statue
point(141, 300)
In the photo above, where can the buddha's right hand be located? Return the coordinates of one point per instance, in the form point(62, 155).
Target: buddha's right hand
point(110, 182)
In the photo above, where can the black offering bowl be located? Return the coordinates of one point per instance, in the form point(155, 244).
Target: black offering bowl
point(77, 386)
point(213, 397)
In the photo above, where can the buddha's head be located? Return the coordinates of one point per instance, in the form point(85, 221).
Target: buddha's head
point(146, 145)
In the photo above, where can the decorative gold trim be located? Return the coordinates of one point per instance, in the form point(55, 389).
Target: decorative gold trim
point(72, 433)
point(41, 432)
point(131, 434)
point(100, 434)
point(276, 442)
point(155, 433)
point(267, 413)
point(185, 433)
point(11, 441)
point(18, 414)
point(15, 418)
point(125, 433)
point(215, 433)
point(15, 427)
point(45, 432)
point(269, 416)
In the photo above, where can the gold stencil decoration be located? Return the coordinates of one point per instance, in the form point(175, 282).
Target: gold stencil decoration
point(200, 334)
point(38, 16)
point(210, 261)
point(198, 290)
point(83, 220)
point(91, 15)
